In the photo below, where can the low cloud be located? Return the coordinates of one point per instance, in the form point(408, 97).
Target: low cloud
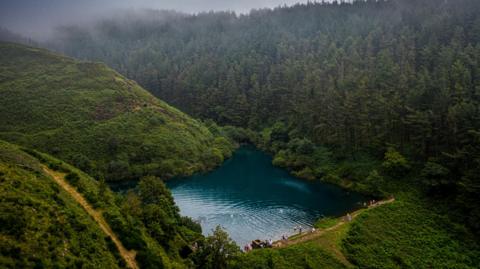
point(37, 18)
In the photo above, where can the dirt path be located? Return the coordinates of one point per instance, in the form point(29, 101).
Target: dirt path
point(312, 235)
point(128, 256)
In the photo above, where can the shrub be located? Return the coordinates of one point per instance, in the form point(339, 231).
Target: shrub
point(149, 260)
point(216, 250)
point(306, 173)
point(279, 132)
point(72, 177)
point(395, 164)
point(374, 181)
point(191, 224)
point(435, 174)
point(280, 159)
point(130, 235)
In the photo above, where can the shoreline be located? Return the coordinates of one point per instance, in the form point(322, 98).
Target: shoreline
point(307, 236)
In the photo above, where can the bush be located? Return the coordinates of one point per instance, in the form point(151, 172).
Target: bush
point(306, 173)
point(374, 182)
point(279, 133)
point(435, 174)
point(191, 224)
point(149, 260)
point(301, 146)
point(280, 159)
point(395, 164)
point(216, 251)
point(72, 177)
point(130, 235)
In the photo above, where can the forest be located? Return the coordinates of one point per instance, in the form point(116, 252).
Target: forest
point(379, 97)
point(321, 85)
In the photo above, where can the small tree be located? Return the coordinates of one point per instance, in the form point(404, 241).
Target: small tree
point(435, 176)
point(152, 190)
point(216, 250)
point(395, 164)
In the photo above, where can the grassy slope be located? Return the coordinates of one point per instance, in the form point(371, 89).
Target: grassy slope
point(405, 234)
point(130, 229)
point(41, 224)
point(93, 117)
point(84, 244)
point(410, 234)
point(299, 256)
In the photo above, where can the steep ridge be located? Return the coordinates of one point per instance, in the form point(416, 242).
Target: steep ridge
point(59, 178)
point(96, 119)
point(42, 226)
point(53, 214)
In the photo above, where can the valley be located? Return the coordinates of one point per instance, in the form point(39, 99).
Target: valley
point(154, 138)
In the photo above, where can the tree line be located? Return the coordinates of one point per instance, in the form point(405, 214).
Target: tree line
point(398, 79)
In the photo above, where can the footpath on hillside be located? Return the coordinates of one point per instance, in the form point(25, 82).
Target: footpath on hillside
point(128, 256)
point(312, 235)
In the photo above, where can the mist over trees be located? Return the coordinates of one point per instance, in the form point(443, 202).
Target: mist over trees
point(367, 75)
point(9, 36)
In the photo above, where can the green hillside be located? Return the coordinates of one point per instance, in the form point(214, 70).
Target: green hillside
point(96, 119)
point(42, 226)
point(334, 87)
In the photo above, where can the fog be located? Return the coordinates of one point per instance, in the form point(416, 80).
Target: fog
point(37, 18)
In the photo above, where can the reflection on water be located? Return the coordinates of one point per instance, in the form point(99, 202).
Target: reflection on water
point(252, 199)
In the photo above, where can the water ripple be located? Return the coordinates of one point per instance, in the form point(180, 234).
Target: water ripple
point(252, 199)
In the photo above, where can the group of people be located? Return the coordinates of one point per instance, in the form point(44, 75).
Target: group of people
point(269, 243)
point(298, 228)
point(370, 203)
point(258, 244)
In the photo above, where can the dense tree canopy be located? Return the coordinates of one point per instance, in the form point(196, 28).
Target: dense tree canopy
point(399, 77)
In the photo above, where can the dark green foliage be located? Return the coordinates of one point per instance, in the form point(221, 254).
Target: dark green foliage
point(147, 222)
point(93, 117)
point(72, 178)
point(149, 260)
point(395, 164)
point(376, 96)
point(191, 224)
point(435, 176)
point(358, 76)
point(216, 251)
point(113, 249)
point(41, 225)
point(129, 233)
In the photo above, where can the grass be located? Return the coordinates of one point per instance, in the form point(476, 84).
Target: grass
point(322, 251)
point(131, 231)
point(409, 234)
point(34, 208)
point(299, 256)
point(326, 222)
point(42, 226)
point(91, 116)
point(331, 242)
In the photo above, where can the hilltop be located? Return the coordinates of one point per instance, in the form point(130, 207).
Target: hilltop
point(93, 117)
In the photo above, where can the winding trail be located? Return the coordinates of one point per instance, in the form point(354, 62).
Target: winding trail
point(128, 256)
point(312, 235)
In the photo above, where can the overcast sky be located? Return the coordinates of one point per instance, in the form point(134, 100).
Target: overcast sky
point(36, 17)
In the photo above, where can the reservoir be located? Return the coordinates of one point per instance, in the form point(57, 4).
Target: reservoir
point(252, 199)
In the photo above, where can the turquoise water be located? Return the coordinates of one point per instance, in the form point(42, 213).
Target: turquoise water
point(252, 199)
